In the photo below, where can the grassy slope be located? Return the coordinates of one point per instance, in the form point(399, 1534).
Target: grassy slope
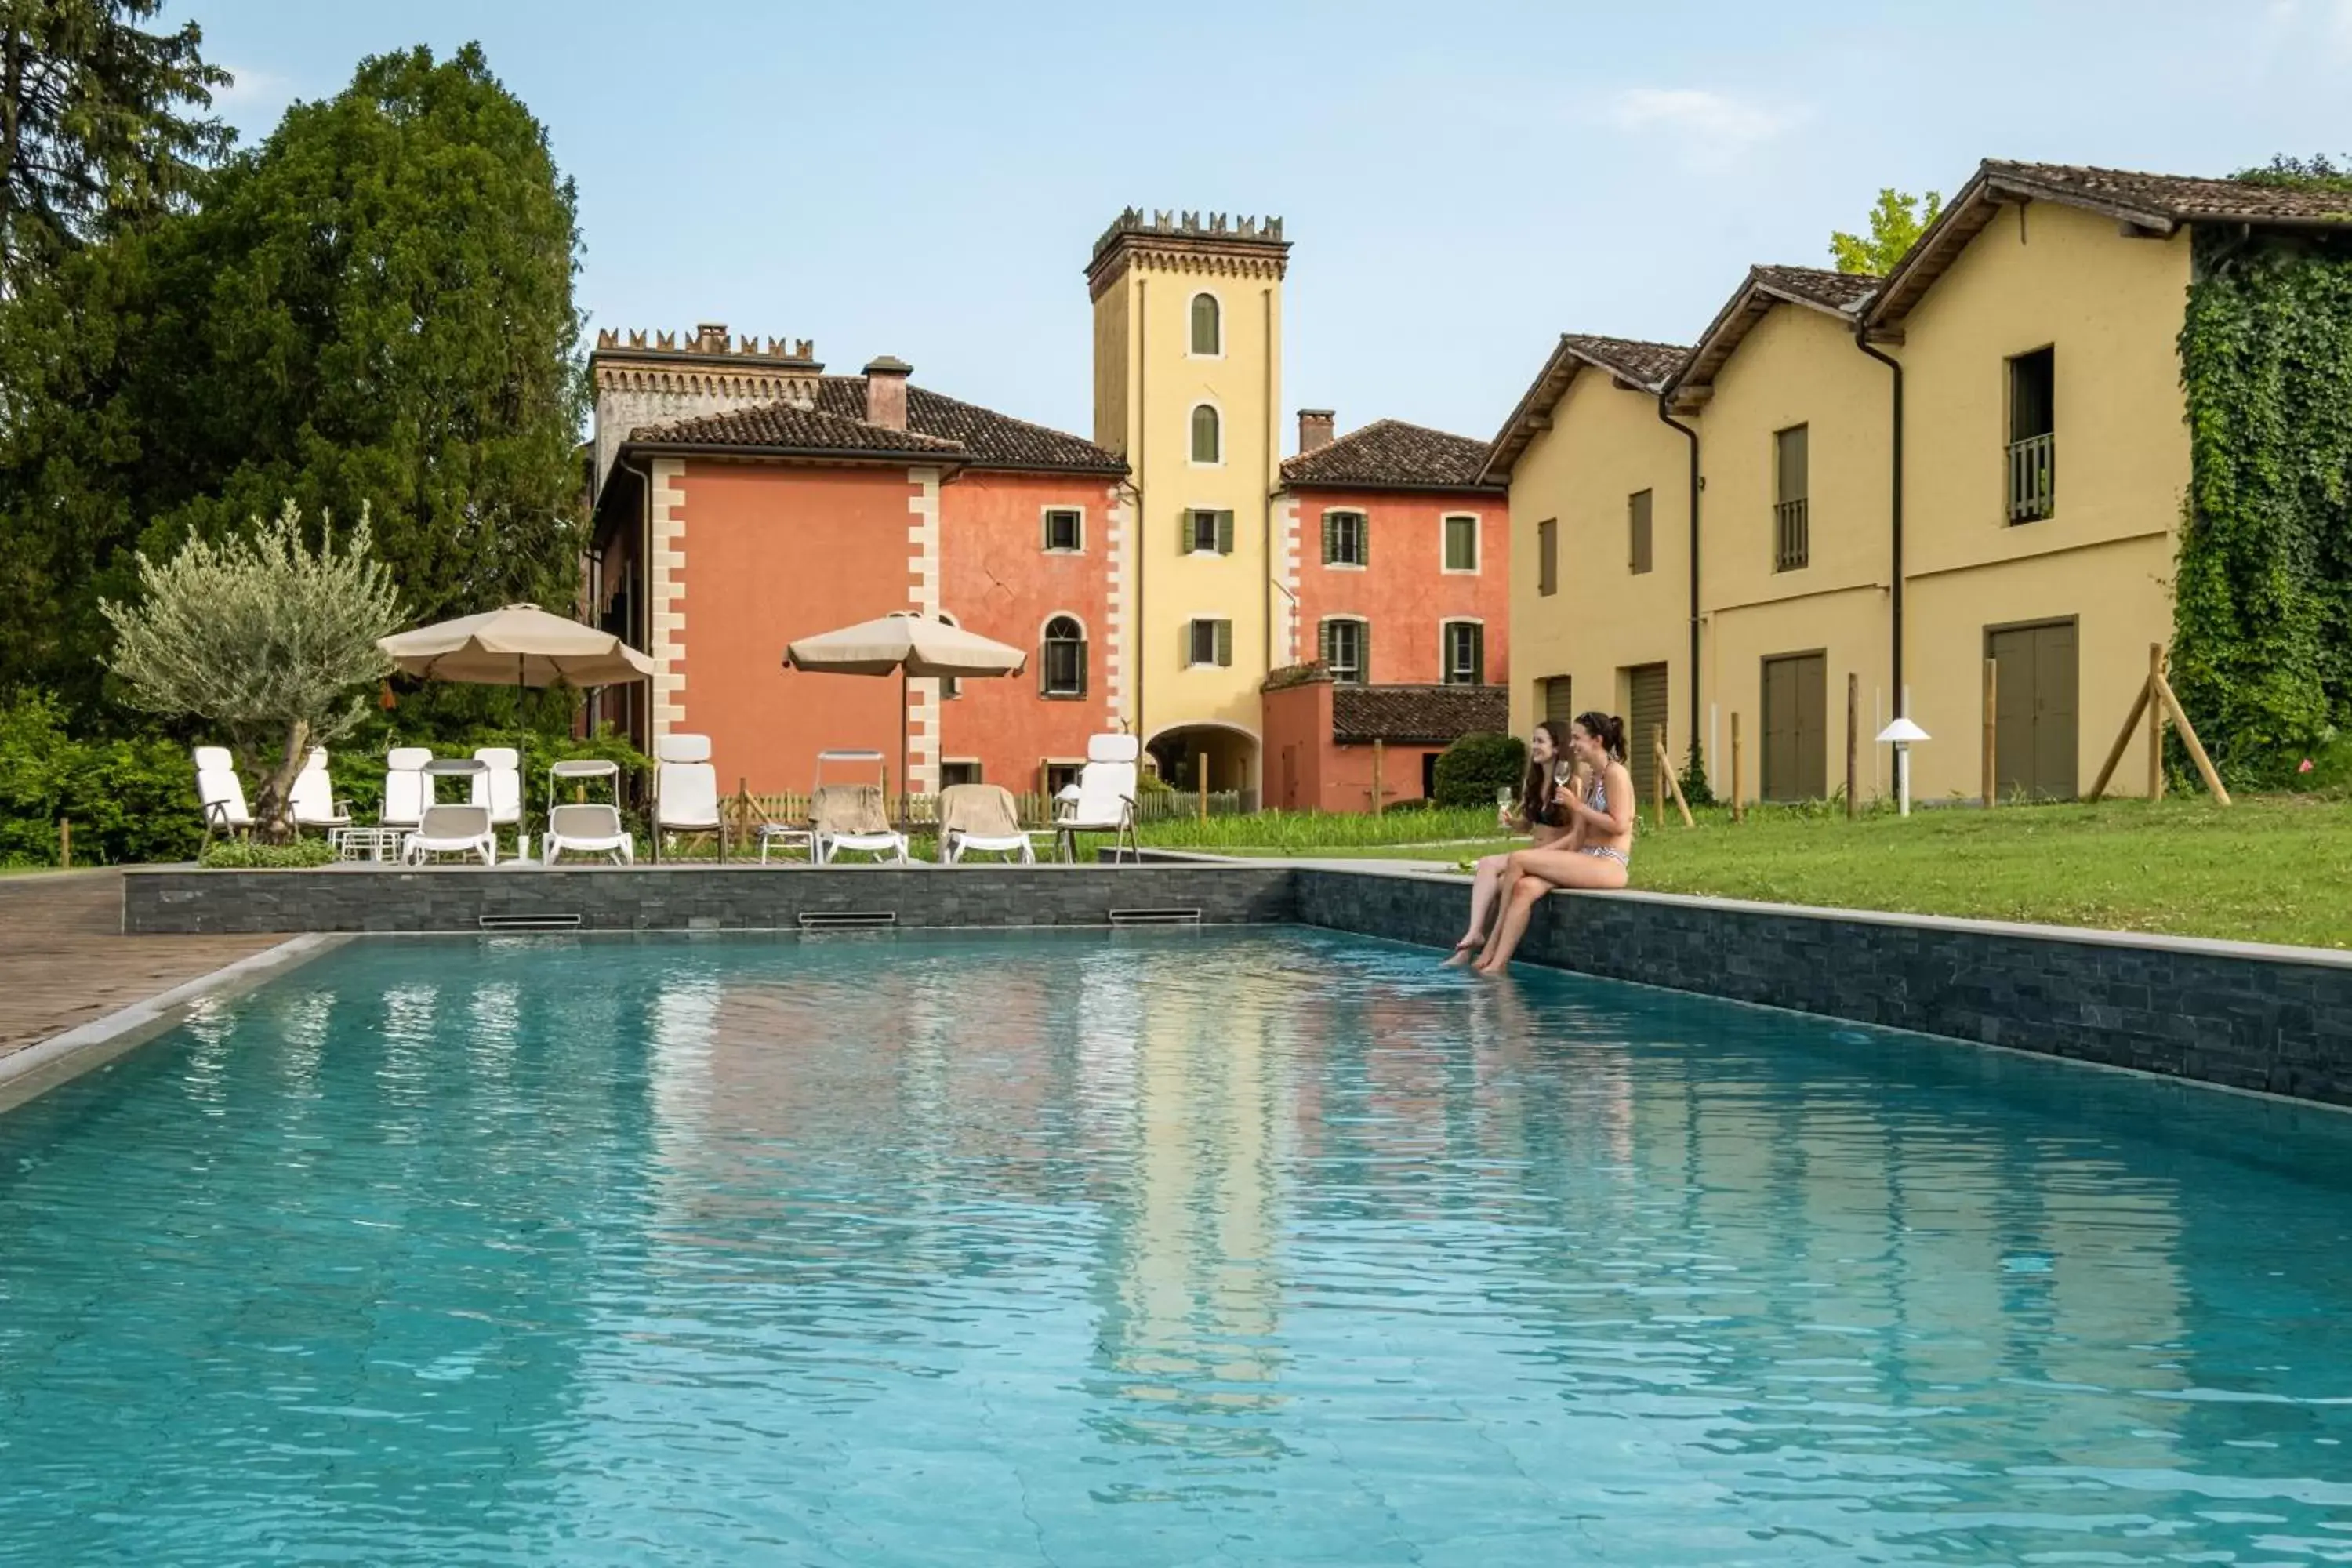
point(2267, 870)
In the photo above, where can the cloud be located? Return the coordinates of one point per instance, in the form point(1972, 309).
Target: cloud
point(1711, 129)
point(251, 86)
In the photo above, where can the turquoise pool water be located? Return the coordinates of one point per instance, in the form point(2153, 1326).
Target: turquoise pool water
point(1178, 1249)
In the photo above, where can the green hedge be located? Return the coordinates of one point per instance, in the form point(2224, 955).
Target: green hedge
point(128, 800)
point(241, 855)
point(1475, 768)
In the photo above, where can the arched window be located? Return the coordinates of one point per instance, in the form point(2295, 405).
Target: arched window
point(1208, 445)
point(1062, 672)
point(1208, 327)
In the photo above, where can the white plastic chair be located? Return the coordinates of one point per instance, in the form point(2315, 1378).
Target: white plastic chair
point(686, 790)
point(1103, 798)
point(312, 799)
point(221, 793)
point(589, 830)
point(981, 818)
point(499, 788)
point(452, 830)
point(407, 792)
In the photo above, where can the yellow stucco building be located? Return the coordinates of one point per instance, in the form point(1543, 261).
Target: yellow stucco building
point(1981, 455)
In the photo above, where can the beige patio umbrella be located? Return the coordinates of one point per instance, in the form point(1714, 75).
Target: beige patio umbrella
point(519, 646)
point(908, 646)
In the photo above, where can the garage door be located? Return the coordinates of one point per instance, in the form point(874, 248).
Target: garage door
point(1796, 727)
point(1645, 714)
point(2034, 735)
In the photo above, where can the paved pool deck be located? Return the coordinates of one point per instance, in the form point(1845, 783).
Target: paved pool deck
point(64, 962)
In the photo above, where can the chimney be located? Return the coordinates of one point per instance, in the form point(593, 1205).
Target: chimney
point(1314, 429)
point(710, 337)
point(886, 392)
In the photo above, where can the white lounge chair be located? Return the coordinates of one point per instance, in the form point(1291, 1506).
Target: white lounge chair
point(1103, 798)
point(407, 792)
point(852, 818)
point(221, 793)
point(685, 791)
point(589, 830)
point(981, 818)
point(313, 800)
point(452, 830)
point(499, 787)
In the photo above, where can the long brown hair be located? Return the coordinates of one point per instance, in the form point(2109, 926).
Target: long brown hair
point(1535, 792)
point(1607, 729)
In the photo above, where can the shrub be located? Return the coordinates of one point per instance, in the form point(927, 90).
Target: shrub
point(1476, 766)
point(128, 800)
point(243, 855)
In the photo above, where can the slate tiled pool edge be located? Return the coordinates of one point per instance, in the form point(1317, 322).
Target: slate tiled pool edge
point(2271, 1020)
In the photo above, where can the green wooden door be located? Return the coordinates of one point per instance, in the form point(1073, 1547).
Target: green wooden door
point(1796, 727)
point(1646, 713)
point(2035, 737)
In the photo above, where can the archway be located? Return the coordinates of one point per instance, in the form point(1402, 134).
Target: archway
point(1226, 753)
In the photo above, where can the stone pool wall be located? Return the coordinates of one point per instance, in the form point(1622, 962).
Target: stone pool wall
point(2274, 1019)
point(692, 898)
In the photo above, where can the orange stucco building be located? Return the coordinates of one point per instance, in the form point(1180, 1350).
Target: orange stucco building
point(743, 497)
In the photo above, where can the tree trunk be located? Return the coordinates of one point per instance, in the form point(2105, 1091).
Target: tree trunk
point(273, 818)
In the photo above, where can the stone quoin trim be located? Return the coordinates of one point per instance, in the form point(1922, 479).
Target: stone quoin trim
point(1286, 566)
point(1118, 531)
point(923, 598)
point(667, 601)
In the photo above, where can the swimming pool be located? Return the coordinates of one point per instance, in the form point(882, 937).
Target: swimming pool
point(1171, 1247)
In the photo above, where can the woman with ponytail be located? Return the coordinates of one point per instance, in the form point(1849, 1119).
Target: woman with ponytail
point(1596, 851)
point(1540, 812)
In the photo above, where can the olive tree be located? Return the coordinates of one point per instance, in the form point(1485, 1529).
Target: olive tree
point(263, 637)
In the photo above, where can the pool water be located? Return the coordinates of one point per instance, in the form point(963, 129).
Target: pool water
point(1166, 1248)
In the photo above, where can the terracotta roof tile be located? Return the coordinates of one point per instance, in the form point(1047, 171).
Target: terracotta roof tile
point(1818, 285)
point(2182, 198)
point(1417, 715)
point(937, 426)
point(1841, 294)
point(1647, 364)
point(1389, 454)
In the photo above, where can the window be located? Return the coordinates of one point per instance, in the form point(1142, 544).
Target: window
point(950, 687)
point(1060, 777)
point(1347, 539)
point(1208, 446)
point(2033, 435)
point(1062, 671)
point(1792, 530)
point(1547, 557)
point(960, 772)
point(1345, 646)
point(1460, 544)
point(1465, 652)
point(1066, 530)
point(1208, 642)
point(1208, 328)
point(1208, 532)
point(1637, 528)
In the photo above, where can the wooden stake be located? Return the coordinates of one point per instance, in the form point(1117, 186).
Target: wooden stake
point(2205, 769)
point(1200, 778)
point(1853, 744)
point(2116, 752)
point(1658, 774)
point(2154, 722)
point(1992, 713)
point(64, 844)
point(1380, 758)
point(1738, 807)
point(1670, 782)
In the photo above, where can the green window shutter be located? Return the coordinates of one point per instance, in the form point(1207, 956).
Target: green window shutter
point(1323, 641)
point(1082, 666)
point(1364, 539)
point(1364, 652)
point(1225, 638)
point(1184, 534)
point(1477, 656)
point(1331, 539)
point(1224, 533)
point(1184, 641)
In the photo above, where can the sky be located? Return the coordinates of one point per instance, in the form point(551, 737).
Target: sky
point(1461, 182)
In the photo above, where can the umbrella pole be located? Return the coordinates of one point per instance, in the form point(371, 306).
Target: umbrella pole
point(903, 692)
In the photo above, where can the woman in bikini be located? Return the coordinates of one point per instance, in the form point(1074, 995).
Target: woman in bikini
point(1540, 812)
point(1596, 852)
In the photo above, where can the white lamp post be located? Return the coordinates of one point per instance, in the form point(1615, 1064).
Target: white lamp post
point(1901, 733)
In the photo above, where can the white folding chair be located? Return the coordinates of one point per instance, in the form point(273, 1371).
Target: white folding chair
point(685, 791)
point(499, 787)
point(1103, 798)
point(407, 791)
point(221, 793)
point(312, 799)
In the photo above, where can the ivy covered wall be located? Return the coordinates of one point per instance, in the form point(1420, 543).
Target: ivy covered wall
point(2262, 654)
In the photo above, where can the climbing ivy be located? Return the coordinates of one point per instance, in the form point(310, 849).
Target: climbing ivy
point(2262, 651)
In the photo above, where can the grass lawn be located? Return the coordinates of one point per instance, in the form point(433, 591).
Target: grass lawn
point(2276, 869)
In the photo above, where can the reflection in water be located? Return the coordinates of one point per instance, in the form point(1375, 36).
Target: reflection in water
point(1181, 1247)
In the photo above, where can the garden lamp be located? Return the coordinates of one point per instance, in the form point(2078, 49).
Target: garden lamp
point(1900, 735)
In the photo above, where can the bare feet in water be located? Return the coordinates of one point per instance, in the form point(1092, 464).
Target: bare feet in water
point(1464, 951)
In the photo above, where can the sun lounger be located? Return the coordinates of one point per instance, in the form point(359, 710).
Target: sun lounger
point(685, 791)
point(452, 830)
point(221, 793)
point(981, 818)
point(312, 802)
point(407, 792)
point(852, 818)
point(1103, 798)
point(499, 787)
point(587, 830)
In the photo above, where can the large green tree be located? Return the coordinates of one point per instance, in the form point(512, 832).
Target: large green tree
point(371, 311)
point(1896, 219)
point(97, 125)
